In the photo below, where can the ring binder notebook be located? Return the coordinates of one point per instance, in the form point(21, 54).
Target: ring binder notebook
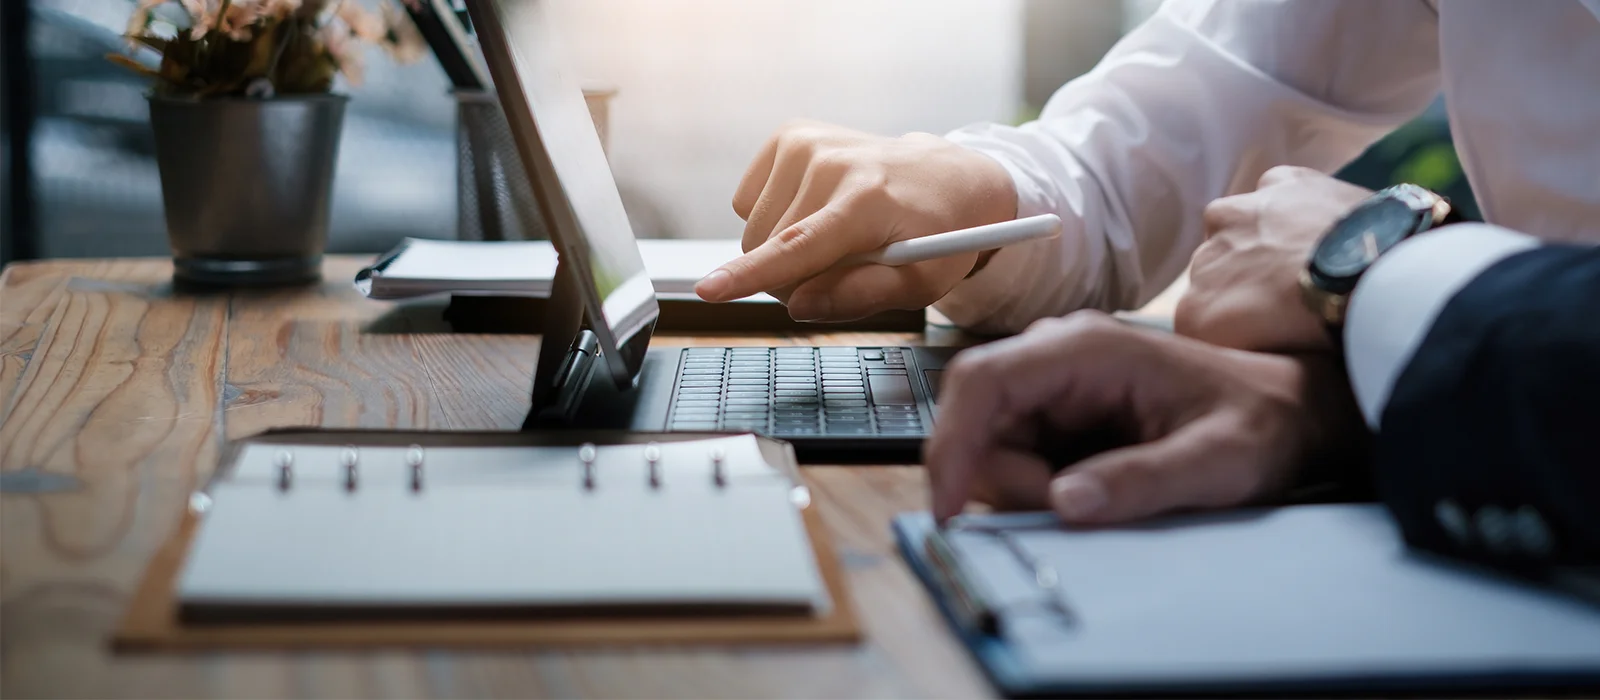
point(528, 538)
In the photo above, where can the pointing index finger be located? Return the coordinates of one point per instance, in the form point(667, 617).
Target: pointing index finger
point(799, 252)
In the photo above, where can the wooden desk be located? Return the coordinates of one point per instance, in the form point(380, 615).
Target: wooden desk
point(119, 394)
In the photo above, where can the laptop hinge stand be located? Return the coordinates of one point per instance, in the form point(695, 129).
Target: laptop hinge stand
point(568, 354)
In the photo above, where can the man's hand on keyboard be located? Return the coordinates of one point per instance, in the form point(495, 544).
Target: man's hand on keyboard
point(818, 193)
point(1203, 427)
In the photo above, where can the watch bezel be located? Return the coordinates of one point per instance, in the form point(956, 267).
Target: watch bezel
point(1427, 208)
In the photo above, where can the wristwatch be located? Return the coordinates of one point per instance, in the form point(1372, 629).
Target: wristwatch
point(1362, 236)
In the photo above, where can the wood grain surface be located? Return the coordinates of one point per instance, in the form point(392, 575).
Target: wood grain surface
point(119, 391)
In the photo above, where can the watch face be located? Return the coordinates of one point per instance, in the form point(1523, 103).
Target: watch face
point(1356, 242)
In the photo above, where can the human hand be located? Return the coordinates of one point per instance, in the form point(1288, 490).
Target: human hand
point(1244, 281)
point(1202, 426)
point(818, 193)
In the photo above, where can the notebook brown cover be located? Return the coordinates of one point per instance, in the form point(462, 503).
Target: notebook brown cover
point(151, 622)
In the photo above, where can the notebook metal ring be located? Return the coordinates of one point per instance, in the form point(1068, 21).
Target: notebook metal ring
point(349, 458)
point(652, 458)
point(285, 470)
point(586, 456)
point(719, 474)
point(414, 459)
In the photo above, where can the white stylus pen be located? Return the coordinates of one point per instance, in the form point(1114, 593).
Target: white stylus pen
point(967, 240)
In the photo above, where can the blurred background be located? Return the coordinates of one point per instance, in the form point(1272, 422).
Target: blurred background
point(700, 84)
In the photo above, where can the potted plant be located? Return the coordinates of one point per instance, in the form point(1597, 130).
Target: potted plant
point(247, 125)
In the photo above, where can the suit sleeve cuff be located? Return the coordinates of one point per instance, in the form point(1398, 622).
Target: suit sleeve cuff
point(1398, 300)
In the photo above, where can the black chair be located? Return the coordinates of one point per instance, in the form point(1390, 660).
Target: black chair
point(18, 238)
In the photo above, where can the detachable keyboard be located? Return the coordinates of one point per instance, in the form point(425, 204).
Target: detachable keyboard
point(796, 391)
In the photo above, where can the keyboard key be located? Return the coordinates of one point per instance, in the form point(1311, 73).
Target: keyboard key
point(809, 386)
point(899, 422)
point(895, 409)
point(795, 392)
point(701, 352)
point(695, 415)
point(847, 430)
point(700, 383)
point(844, 403)
point(754, 401)
point(686, 401)
point(890, 389)
point(744, 374)
point(795, 430)
point(795, 374)
point(872, 354)
point(759, 394)
point(837, 351)
point(746, 420)
point(703, 390)
point(694, 425)
point(846, 420)
point(747, 381)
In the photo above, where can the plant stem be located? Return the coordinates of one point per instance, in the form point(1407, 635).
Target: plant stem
point(288, 28)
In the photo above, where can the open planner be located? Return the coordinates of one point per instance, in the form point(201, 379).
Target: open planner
point(535, 537)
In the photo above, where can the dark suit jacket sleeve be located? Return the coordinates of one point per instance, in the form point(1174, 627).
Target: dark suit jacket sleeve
point(1488, 439)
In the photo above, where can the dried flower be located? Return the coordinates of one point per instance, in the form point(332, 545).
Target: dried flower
point(401, 38)
point(240, 18)
point(139, 21)
point(335, 37)
point(266, 47)
point(363, 24)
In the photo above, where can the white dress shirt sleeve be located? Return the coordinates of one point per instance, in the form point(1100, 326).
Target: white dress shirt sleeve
point(1192, 105)
point(1398, 299)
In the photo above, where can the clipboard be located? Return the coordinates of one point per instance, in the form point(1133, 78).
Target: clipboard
point(1309, 599)
point(153, 621)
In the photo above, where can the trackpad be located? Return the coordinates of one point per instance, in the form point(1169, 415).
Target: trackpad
point(891, 389)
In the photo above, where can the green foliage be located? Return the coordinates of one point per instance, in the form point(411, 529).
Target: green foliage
point(1433, 166)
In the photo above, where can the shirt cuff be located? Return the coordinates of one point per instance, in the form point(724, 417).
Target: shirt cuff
point(973, 303)
point(1398, 299)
